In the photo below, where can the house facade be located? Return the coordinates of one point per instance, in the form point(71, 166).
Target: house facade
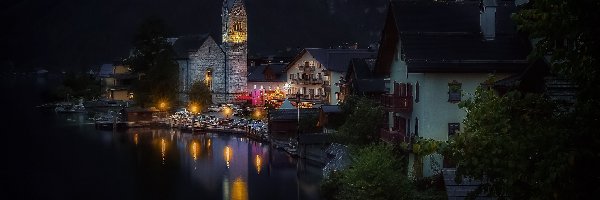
point(115, 82)
point(436, 55)
point(314, 72)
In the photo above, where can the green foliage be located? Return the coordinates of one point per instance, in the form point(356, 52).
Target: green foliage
point(362, 122)
point(514, 143)
point(308, 123)
point(200, 93)
point(566, 33)
point(375, 173)
point(425, 146)
point(153, 57)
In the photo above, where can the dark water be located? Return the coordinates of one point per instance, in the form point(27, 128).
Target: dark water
point(61, 156)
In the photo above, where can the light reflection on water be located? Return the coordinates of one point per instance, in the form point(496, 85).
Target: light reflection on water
point(240, 165)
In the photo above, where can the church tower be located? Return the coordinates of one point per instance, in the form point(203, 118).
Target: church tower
point(235, 45)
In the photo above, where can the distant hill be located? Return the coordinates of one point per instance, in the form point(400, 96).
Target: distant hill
point(76, 34)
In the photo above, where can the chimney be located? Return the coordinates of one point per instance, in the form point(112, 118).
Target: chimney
point(487, 19)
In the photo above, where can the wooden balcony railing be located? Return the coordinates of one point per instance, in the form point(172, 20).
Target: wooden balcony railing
point(401, 100)
point(394, 103)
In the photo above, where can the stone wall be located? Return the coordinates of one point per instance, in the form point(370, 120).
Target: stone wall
point(208, 56)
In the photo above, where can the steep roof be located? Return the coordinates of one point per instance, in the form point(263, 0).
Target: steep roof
point(338, 59)
point(257, 73)
point(438, 36)
point(185, 44)
point(286, 105)
point(363, 79)
point(335, 59)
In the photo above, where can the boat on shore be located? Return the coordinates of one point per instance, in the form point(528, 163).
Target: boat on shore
point(66, 108)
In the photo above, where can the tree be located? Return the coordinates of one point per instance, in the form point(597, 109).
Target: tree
point(153, 59)
point(565, 33)
point(362, 123)
point(515, 144)
point(200, 93)
point(375, 173)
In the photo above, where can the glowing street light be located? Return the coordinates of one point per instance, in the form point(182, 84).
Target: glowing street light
point(194, 108)
point(227, 111)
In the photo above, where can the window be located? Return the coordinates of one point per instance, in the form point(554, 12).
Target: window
point(291, 76)
point(453, 128)
point(454, 91)
point(416, 126)
point(417, 92)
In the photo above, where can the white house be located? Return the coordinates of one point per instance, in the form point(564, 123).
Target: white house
point(436, 54)
point(314, 72)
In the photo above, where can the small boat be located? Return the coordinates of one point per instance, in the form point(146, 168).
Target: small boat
point(77, 108)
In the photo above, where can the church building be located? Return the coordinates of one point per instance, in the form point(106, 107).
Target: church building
point(222, 67)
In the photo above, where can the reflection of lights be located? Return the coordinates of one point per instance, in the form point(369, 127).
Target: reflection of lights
point(208, 143)
point(228, 155)
point(135, 139)
point(163, 149)
point(258, 163)
point(239, 189)
point(195, 150)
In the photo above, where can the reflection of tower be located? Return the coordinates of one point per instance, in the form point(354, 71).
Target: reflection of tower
point(236, 158)
point(235, 45)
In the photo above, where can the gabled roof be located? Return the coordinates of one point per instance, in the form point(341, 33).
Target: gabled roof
point(335, 59)
point(286, 105)
point(438, 36)
point(257, 73)
point(363, 79)
point(185, 44)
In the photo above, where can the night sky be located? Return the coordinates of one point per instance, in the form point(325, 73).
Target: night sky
point(78, 35)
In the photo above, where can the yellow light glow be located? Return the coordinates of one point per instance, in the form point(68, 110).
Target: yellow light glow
point(163, 149)
point(194, 108)
point(227, 111)
point(258, 164)
point(239, 189)
point(135, 139)
point(228, 153)
point(195, 150)
point(163, 105)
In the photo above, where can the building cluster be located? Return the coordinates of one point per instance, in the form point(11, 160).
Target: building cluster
point(431, 55)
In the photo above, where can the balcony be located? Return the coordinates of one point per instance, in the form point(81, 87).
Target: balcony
point(400, 101)
point(395, 103)
point(392, 136)
point(309, 81)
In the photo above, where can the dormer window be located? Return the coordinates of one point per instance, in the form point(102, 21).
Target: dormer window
point(454, 91)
